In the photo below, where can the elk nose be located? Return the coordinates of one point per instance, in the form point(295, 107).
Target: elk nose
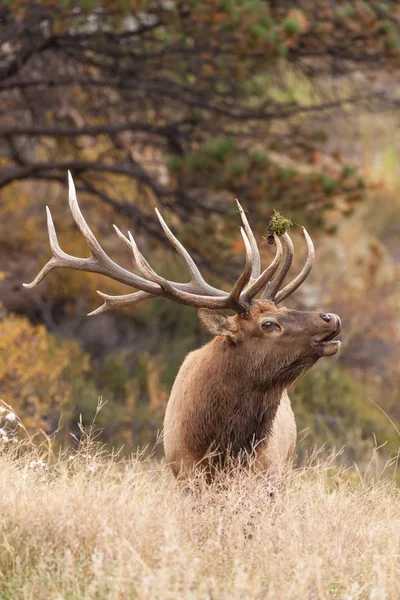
point(326, 317)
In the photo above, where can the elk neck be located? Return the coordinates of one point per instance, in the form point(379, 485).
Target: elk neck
point(242, 401)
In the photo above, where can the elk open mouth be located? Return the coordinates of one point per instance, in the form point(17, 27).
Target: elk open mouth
point(328, 346)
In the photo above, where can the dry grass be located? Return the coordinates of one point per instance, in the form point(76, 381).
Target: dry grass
point(88, 525)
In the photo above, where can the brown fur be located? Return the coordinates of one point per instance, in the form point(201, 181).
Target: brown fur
point(227, 394)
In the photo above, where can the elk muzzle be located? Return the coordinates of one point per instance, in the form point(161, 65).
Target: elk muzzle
point(327, 345)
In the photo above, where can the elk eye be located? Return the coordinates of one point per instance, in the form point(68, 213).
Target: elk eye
point(268, 325)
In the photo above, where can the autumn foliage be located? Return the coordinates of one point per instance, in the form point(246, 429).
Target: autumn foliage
point(37, 372)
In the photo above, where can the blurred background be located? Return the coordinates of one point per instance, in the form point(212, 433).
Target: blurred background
point(185, 106)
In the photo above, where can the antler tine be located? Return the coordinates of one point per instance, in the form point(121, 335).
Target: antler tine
point(198, 283)
point(235, 298)
point(111, 302)
point(146, 269)
point(256, 269)
point(58, 254)
point(254, 287)
point(98, 263)
point(84, 228)
point(193, 269)
point(297, 281)
point(141, 262)
point(123, 238)
point(273, 286)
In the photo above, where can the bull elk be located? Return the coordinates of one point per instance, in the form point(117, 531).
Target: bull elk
point(229, 398)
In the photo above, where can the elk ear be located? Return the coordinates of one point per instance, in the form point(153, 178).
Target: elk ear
point(217, 323)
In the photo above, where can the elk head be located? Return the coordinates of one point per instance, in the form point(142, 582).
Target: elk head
point(278, 343)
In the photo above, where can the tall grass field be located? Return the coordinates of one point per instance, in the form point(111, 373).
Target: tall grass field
point(84, 524)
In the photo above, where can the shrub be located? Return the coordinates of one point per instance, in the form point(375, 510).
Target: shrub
point(336, 410)
point(38, 372)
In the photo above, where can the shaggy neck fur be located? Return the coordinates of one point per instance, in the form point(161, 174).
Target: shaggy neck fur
point(242, 400)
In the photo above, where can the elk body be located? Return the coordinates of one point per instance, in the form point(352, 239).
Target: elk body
point(229, 399)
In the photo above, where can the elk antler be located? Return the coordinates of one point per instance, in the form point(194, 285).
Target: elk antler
point(197, 292)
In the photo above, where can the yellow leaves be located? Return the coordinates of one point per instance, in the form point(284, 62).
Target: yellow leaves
point(19, 224)
point(92, 149)
point(37, 371)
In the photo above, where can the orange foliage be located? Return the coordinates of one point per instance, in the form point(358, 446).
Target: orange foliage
point(37, 370)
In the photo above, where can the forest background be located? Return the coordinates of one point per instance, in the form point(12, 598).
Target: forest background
point(185, 106)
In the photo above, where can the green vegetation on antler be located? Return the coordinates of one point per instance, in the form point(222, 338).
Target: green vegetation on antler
point(279, 224)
